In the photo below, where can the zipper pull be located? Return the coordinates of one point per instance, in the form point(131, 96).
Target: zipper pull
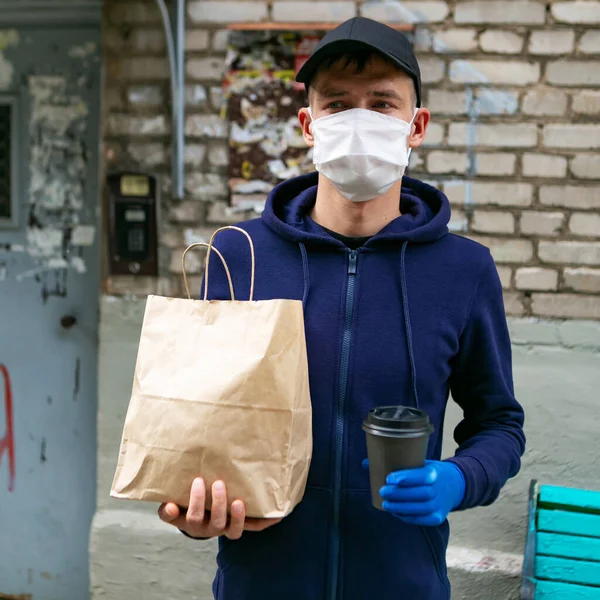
point(353, 259)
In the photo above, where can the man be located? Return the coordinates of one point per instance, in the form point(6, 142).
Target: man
point(397, 311)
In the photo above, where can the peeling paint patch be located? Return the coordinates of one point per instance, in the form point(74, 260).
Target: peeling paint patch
point(8, 38)
point(83, 235)
point(84, 51)
point(78, 264)
point(6, 73)
point(58, 169)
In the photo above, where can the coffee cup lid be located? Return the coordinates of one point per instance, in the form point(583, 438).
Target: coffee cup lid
point(398, 417)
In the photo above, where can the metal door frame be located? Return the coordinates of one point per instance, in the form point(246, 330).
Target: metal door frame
point(12, 222)
point(50, 12)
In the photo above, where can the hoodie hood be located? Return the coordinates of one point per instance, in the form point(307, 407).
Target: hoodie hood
point(425, 214)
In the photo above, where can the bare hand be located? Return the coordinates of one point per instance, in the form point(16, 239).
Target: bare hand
point(196, 521)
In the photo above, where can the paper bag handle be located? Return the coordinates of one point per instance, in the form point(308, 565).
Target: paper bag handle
point(253, 267)
point(204, 245)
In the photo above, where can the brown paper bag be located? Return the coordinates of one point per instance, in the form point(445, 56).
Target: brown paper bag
point(220, 391)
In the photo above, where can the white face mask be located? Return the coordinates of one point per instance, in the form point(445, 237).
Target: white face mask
point(362, 152)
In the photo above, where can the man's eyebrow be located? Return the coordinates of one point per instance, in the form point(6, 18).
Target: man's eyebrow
point(332, 93)
point(386, 94)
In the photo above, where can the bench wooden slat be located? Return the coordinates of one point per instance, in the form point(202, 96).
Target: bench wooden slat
point(570, 499)
point(552, 590)
point(558, 521)
point(568, 546)
point(567, 571)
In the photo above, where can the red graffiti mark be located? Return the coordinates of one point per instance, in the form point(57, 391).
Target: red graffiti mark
point(7, 443)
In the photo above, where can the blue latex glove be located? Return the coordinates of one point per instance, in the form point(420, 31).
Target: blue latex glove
point(424, 496)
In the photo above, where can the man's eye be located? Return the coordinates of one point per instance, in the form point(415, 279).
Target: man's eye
point(382, 105)
point(335, 105)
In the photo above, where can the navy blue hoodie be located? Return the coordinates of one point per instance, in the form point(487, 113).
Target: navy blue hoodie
point(412, 316)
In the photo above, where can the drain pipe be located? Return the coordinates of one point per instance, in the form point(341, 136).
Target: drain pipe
point(176, 53)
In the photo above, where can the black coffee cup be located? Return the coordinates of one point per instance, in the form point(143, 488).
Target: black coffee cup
point(397, 438)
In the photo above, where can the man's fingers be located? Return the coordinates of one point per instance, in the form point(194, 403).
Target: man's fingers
point(168, 512)
point(418, 493)
point(260, 524)
point(424, 476)
point(195, 511)
point(238, 516)
point(410, 509)
point(218, 513)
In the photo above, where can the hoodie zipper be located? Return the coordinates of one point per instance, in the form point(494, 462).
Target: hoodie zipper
point(339, 420)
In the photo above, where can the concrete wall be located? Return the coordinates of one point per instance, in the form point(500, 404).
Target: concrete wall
point(557, 372)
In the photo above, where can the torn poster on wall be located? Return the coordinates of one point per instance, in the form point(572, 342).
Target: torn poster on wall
point(265, 142)
point(57, 178)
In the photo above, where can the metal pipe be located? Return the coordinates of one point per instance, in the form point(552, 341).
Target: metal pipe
point(180, 137)
point(176, 94)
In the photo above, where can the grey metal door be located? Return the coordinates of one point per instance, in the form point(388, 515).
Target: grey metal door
point(49, 288)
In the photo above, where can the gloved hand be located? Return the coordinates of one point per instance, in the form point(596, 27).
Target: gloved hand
point(424, 496)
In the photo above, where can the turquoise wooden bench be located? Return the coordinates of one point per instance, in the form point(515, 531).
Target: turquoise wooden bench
point(562, 551)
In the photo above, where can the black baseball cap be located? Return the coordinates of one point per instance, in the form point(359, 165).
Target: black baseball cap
point(360, 33)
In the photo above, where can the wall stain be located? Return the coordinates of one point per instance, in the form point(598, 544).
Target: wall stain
point(43, 451)
point(77, 377)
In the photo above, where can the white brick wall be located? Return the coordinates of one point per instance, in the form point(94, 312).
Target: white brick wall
point(530, 69)
point(566, 306)
point(587, 102)
point(536, 278)
point(507, 136)
point(545, 102)
point(590, 42)
point(493, 222)
point(585, 224)
point(586, 166)
point(224, 11)
point(501, 42)
point(544, 165)
point(571, 136)
point(583, 279)
point(508, 250)
point(406, 12)
point(498, 12)
point(494, 71)
point(561, 41)
point(455, 40)
point(567, 253)
point(574, 73)
point(541, 223)
point(492, 193)
point(496, 163)
point(579, 11)
point(571, 196)
point(329, 12)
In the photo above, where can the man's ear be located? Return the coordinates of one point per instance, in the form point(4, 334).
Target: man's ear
point(305, 120)
point(419, 128)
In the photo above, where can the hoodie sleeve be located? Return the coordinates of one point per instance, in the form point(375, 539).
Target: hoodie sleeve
point(490, 437)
